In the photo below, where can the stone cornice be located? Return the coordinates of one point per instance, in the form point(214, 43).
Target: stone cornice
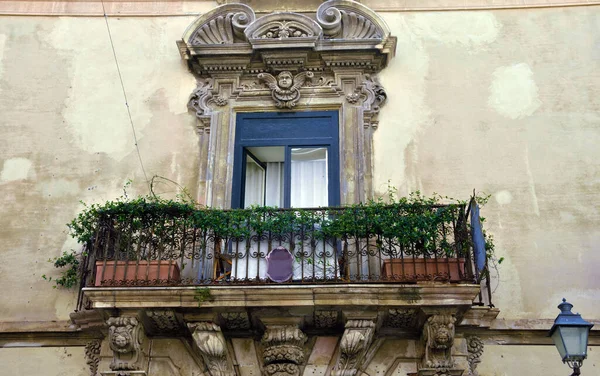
point(193, 7)
point(285, 296)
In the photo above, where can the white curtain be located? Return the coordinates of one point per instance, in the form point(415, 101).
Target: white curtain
point(274, 189)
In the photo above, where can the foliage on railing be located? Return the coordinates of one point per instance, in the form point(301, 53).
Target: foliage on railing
point(413, 220)
point(152, 228)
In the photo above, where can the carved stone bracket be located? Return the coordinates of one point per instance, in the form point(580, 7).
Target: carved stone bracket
point(354, 344)
point(126, 339)
point(211, 343)
point(438, 335)
point(92, 356)
point(283, 353)
point(475, 350)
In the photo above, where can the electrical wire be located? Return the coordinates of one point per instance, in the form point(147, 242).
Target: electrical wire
point(125, 96)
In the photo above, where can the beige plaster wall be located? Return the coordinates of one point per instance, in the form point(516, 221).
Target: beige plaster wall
point(505, 102)
point(66, 136)
point(50, 361)
point(531, 360)
point(502, 101)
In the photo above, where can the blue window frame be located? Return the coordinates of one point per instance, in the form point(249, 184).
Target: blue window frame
point(287, 132)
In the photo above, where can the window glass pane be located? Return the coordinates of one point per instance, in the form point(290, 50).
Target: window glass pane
point(309, 185)
point(272, 157)
point(254, 193)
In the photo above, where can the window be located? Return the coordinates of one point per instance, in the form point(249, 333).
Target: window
point(286, 159)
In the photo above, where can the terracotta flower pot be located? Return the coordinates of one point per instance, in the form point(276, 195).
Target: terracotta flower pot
point(424, 269)
point(142, 273)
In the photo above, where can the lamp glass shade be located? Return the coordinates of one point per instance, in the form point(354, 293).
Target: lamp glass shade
point(571, 342)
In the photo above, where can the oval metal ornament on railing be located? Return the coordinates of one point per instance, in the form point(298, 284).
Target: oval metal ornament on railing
point(280, 265)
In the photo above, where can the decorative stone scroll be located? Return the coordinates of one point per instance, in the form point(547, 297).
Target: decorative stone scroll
point(345, 19)
point(287, 61)
point(354, 344)
point(125, 338)
point(210, 341)
point(283, 353)
point(223, 25)
point(475, 350)
point(92, 355)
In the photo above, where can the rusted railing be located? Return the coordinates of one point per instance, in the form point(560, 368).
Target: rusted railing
point(386, 244)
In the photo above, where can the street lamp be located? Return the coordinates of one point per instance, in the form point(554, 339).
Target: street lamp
point(570, 335)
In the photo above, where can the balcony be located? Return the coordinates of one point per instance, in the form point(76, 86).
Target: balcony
point(177, 255)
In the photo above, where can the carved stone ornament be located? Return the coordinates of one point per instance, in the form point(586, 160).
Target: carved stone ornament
point(342, 19)
point(438, 334)
point(326, 319)
point(355, 342)
point(283, 350)
point(236, 320)
point(163, 321)
point(284, 88)
point(287, 61)
point(92, 356)
point(211, 343)
point(223, 25)
point(475, 350)
point(125, 337)
point(401, 318)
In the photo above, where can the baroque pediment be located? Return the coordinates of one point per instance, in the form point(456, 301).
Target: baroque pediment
point(343, 27)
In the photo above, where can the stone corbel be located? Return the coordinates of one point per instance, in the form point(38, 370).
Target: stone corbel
point(355, 342)
point(128, 343)
point(283, 353)
point(212, 346)
point(438, 335)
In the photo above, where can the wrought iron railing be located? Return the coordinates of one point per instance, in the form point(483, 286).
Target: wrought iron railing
point(359, 244)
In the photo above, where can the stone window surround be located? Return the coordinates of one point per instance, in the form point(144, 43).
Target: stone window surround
point(332, 64)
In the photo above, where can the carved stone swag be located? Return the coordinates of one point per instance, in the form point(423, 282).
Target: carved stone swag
point(287, 61)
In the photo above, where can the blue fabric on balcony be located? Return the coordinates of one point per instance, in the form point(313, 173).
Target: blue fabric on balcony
point(477, 235)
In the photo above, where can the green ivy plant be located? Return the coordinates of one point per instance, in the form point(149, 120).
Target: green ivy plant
point(69, 277)
point(415, 220)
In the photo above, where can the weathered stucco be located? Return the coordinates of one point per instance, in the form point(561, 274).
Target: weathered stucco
point(503, 101)
point(67, 136)
point(507, 106)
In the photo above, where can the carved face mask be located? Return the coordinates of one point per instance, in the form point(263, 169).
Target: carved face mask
point(284, 80)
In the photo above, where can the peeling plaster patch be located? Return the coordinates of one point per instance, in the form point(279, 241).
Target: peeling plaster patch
point(536, 208)
point(2, 44)
point(470, 29)
point(566, 217)
point(503, 197)
point(94, 110)
point(514, 93)
point(16, 169)
point(404, 113)
point(59, 188)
